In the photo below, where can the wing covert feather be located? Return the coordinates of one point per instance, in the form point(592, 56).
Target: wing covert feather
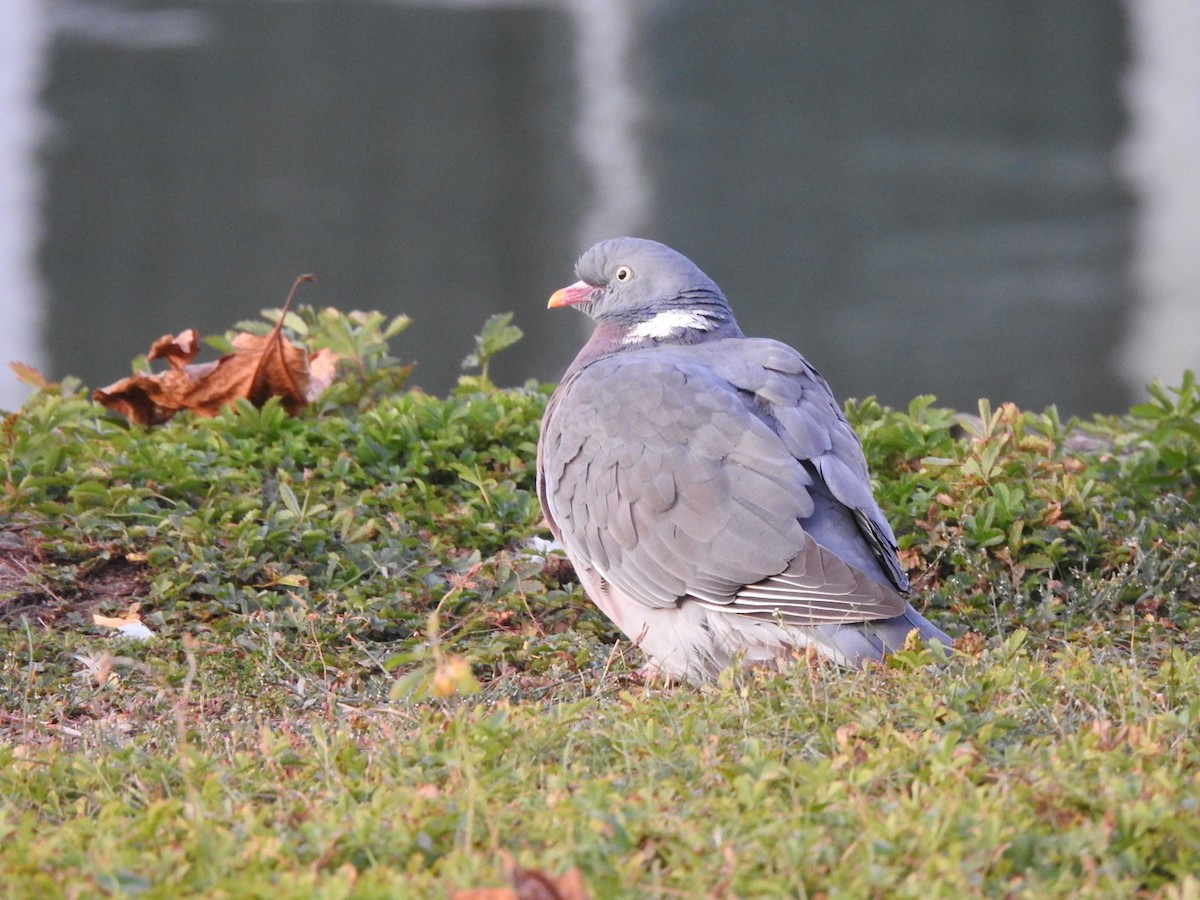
point(690, 471)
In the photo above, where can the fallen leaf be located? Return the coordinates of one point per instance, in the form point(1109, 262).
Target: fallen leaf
point(129, 625)
point(451, 676)
point(322, 367)
point(179, 350)
point(114, 621)
point(970, 643)
point(530, 884)
point(137, 631)
point(27, 374)
point(260, 367)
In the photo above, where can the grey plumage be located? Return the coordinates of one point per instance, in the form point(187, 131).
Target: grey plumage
point(713, 499)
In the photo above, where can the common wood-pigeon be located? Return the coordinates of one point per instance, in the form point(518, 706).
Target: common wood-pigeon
point(712, 497)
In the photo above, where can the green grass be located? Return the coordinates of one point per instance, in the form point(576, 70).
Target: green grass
point(363, 685)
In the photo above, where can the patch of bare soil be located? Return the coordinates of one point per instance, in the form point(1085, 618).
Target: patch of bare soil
point(33, 585)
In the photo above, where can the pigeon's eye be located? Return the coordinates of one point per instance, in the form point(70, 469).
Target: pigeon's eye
point(624, 273)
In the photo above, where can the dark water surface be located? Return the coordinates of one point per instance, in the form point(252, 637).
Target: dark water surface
point(921, 196)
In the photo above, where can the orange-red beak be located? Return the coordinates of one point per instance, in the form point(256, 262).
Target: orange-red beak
point(571, 294)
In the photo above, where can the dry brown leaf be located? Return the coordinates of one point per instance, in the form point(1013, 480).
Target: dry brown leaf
point(260, 367)
point(530, 884)
point(322, 367)
point(29, 375)
point(115, 621)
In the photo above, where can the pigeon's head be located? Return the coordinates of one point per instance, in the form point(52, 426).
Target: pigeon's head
point(653, 292)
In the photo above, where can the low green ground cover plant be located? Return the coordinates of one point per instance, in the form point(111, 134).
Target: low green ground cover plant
point(366, 677)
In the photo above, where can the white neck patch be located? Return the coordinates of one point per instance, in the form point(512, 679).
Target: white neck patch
point(669, 322)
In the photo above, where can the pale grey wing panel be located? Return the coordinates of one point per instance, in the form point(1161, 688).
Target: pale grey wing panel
point(710, 511)
point(810, 423)
point(672, 492)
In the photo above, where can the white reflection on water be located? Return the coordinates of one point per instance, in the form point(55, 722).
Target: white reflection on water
point(29, 26)
point(136, 29)
point(609, 118)
point(23, 42)
point(1161, 159)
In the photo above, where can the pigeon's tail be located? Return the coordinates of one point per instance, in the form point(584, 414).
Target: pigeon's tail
point(854, 644)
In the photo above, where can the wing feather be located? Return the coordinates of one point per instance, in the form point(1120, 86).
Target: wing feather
point(723, 472)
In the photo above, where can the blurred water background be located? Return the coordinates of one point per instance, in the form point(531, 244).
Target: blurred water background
point(995, 199)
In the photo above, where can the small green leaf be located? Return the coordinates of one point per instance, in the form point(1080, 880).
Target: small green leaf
point(289, 500)
point(497, 334)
